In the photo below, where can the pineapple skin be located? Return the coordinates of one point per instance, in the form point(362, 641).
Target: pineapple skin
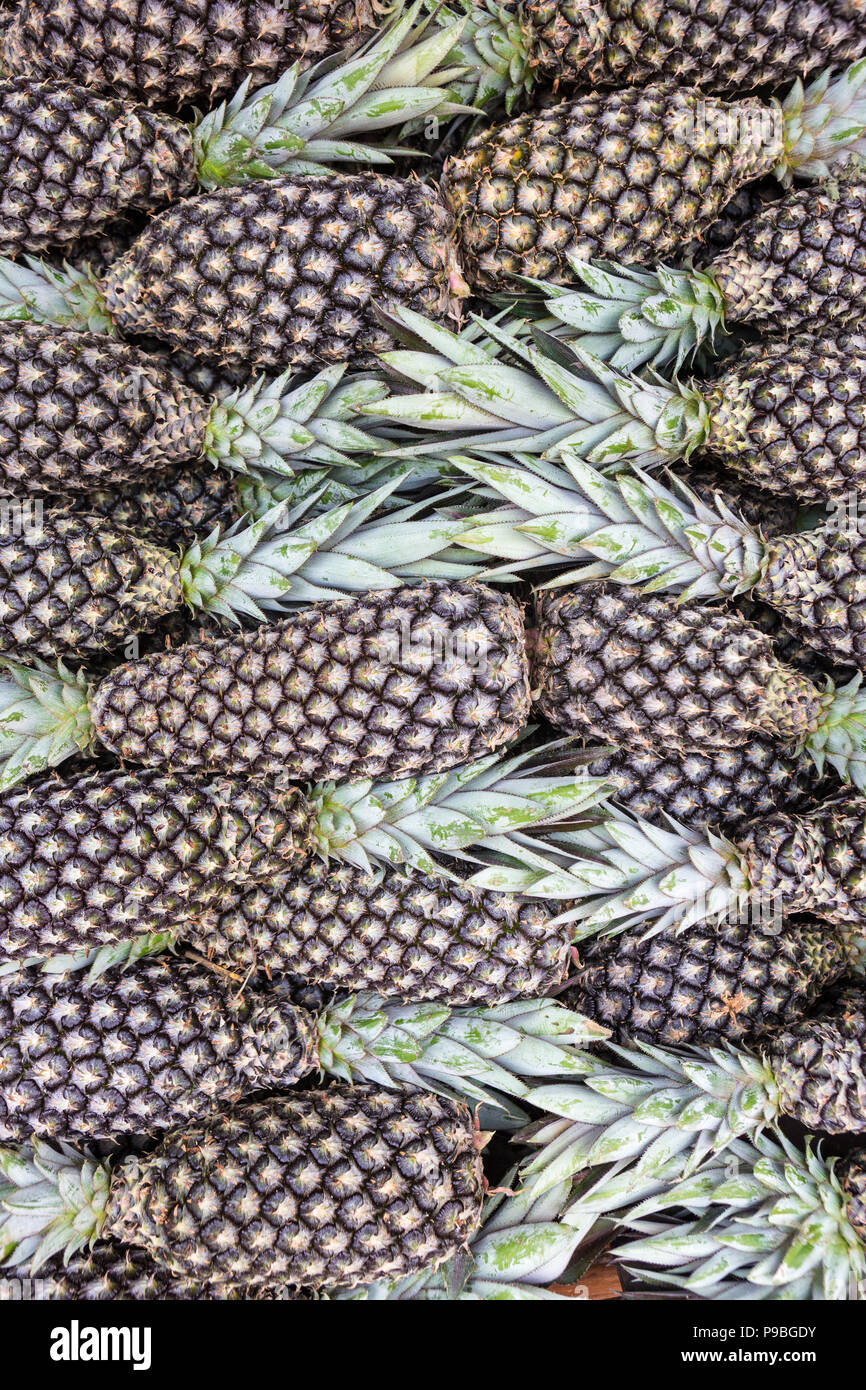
point(707, 787)
point(731, 46)
point(191, 52)
point(730, 982)
point(820, 1066)
point(78, 410)
point(815, 580)
point(648, 671)
point(85, 859)
point(160, 1044)
point(851, 1172)
point(338, 1186)
point(82, 583)
point(388, 684)
point(791, 416)
point(395, 932)
point(109, 1272)
point(811, 862)
point(71, 162)
point(172, 508)
point(800, 261)
point(289, 271)
point(619, 176)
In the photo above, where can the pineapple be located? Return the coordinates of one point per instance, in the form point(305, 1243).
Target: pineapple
point(786, 1224)
point(76, 583)
point(206, 276)
point(707, 786)
point(186, 52)
point(171, 507)
point(105, 855)
point(196, 51)
point(633, 175)
point(637, 532)
point(402, 934)
point(518, 44)
point(767, 416)
point(395, 682)
point(72, 161)
point(169, 1043)
point(652, 672)
point(785, 863)
point(110, 1271)
point(798, 265)
point(732, 982)
point(407, 1162)
point(657, 1114)
point(78, 411)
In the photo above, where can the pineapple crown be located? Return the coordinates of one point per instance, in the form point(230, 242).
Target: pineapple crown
point(825, 123)
point(647, 1118)
point(494, 49)
point(772, 1221)
point(279, 424)
point(309, 121)
point(630, 317)
point(569, 399)
point(466, 386)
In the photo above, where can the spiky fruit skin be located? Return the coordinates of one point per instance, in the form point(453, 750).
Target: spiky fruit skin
point(729, 982)
point(707, 787)
point(395, 932)
point(646, 671)
point(84, 860)
point(81, 583)
point(78, 410)
point(289, 271)
point(172, 508)
point(197, 374)
point(789, 645)
point(746, 202)
point(391, 683)
point(618, 176)
point(102, 248)
point(812, 862)
point(815, 580)
point(70, 162)
point(820, 1065)
point(159, 1045)
point(110, 1272)
point(774, 515)
point(851, 1172)
point(720, 47)
point(191, 52)
point(792, 417)
point(801, 262)
point(337, 1186)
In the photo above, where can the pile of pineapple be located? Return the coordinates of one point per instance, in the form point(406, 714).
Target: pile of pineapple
point(432, 628)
